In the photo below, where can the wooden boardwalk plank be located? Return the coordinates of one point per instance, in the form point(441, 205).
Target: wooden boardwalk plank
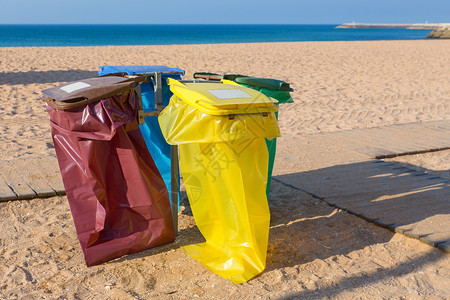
point(6, 193)
point(41, 179)
point(57, 185)
point(391, 141)
point(407, 201)
point(40, 187)
point(22, 190)
point(444, 246)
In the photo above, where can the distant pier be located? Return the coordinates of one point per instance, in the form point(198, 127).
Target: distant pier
point(423, 26)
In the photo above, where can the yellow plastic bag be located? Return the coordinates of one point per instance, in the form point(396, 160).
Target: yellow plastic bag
point(224, 163)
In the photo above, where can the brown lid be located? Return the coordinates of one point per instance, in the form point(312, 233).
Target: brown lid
point(82, 92)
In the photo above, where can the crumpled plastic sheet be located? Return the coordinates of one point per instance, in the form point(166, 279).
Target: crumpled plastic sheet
point(224, 163)
point(118, 200)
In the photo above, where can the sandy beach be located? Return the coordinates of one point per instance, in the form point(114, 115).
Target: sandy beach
point(315, 251)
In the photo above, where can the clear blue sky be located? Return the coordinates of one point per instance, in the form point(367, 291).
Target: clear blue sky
point(222, 12)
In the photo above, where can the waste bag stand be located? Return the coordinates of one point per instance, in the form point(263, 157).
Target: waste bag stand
point(118, 199)
point(221, 130)
point(155, 96)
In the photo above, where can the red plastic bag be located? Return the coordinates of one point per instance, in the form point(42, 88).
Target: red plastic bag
point(118, 199)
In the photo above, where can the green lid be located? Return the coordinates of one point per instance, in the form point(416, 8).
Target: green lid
point(267, 83)
point(233, 77)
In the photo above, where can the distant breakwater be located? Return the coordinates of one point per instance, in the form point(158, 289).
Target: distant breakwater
point(423, 26)
point(440, 30)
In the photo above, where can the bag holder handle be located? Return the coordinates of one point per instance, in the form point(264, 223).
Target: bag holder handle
point(198, 81)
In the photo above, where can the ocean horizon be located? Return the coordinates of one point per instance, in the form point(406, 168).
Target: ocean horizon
point(126, 35)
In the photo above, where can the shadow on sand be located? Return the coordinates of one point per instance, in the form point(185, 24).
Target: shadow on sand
point(30, 77)
point(304, 228)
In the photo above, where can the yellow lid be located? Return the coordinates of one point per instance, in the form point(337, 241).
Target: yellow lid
point(217, 98)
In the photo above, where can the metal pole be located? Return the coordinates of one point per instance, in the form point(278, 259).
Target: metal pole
point(158, 92)
point(173, 155)
point(198, 81)
point(157, 80)
point(140, 114)
point(174, 188)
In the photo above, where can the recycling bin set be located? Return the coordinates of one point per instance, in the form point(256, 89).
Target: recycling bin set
point(221, 131)
point(118, 199)
point(118, 138)
point(155, 95)
point(273, 88)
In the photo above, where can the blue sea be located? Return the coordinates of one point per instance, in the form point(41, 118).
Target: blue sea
point(103, 35)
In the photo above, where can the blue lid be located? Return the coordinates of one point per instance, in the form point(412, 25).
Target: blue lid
point(137, 70)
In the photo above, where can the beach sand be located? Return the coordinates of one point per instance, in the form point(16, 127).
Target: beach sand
point(315, 251)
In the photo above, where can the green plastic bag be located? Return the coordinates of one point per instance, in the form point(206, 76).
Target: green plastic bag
point(278, 90)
